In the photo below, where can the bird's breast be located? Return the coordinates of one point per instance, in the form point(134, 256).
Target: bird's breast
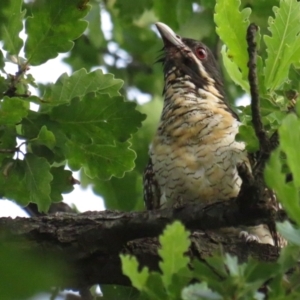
point(194, 152)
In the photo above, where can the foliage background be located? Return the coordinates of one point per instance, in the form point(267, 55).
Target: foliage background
point(84, 119)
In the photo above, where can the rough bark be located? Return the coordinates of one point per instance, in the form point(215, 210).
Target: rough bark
point(90, 243)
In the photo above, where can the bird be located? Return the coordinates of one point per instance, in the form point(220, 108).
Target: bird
point(194, 155)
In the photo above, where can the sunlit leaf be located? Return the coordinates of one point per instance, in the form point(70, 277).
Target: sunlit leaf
point(130, 268)
point(231, 27)
point(283, 46)
point(174, 243)
point(233, 71)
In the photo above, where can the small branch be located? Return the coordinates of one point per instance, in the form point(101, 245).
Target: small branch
point(14, 80)
point(8, 150)
point(255, 102)
point(13, 150)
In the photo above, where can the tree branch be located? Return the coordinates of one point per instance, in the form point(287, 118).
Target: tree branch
point(90, 242)
point(253, 82)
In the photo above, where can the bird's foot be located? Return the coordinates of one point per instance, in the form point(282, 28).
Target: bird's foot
point(248, 237)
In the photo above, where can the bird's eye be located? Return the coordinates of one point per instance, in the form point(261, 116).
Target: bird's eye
point(201, 53)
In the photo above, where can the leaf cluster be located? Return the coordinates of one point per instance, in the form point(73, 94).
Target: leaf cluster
point(81, 120)
point(278, 58)
point(215, 278)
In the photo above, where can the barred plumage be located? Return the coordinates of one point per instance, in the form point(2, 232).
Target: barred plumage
point(194, 154)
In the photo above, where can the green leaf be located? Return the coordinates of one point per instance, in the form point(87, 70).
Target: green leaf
point(84, 54)
point(12, 110)
point(12, 181)
point(52, 28)
point(46, 138)
point(30, 128)
point(96, 129)
point(95, 33)
point(114, 191)
point(289, 232)
point(3, 82)
point(174, 243)
point(62, 183)
point(216, 262)
point(184, 10)
point(232, 265)
point(161, 7)
point(27, 181)
point(100, 160)
point(23, 265)
point(155, 288)
point(1, 68)
point(204, 272)
point(289, 255)
point(111, 292)
point(8, 140)
point(199, 291)
point(276, 288)
point(258, 272)
point(38, 178)
point(130, 268)
point(233, 71)
point(232, 26)
point(98, 118)
point(129, 10)
point(290, 143)
point(79, 84)
point(286, 191)
point(11, 25)
point(247, 135)
point(283, 46)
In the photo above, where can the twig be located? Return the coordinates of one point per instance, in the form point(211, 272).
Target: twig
point(14, 80)
point(9, 150)
point(255, 103)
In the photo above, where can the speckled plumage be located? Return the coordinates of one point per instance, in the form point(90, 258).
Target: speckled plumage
point(194, 155)
point(194, 152)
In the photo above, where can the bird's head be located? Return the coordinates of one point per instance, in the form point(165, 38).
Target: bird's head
point(188, 58)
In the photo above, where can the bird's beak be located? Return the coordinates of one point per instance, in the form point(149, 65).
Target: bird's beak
point(169, 37)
